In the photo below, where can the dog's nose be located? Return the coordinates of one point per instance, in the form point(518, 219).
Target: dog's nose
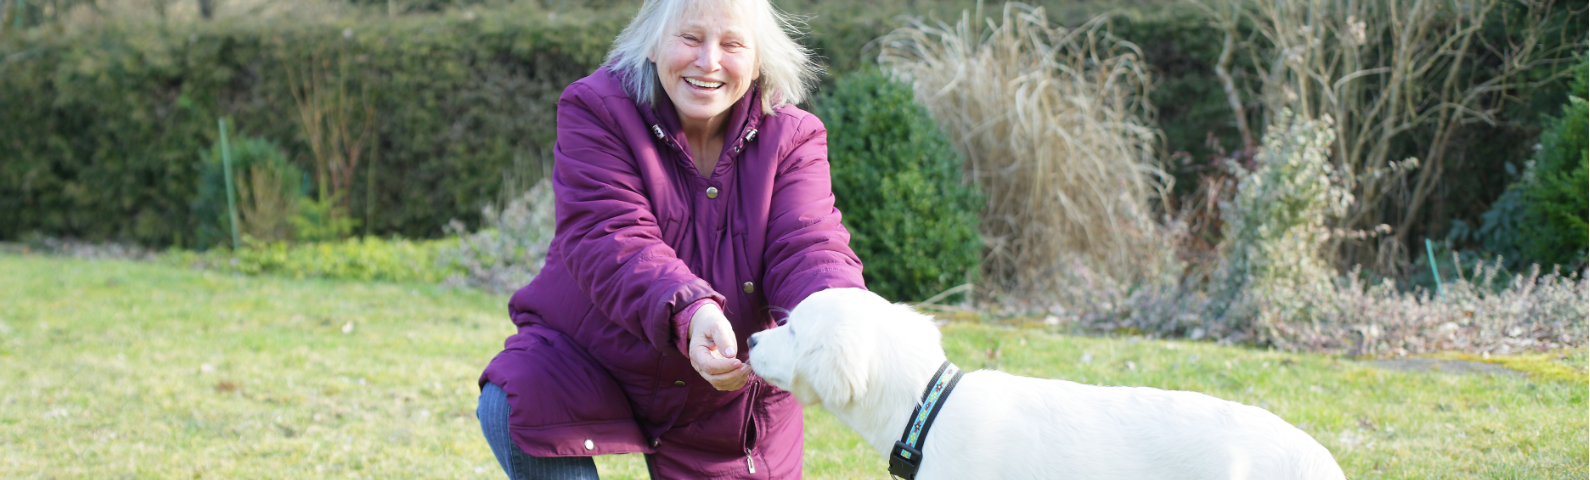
point(752, 341)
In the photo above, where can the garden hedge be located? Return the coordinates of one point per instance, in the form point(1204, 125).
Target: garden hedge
point(102, 131)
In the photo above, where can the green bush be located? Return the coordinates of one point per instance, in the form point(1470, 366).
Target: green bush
point(1556, 200)
point(268, 190)
point(912, 219)
point(1541, 217)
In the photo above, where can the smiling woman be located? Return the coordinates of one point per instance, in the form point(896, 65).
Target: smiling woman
point(693, 200)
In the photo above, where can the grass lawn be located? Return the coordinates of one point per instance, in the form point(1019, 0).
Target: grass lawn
point(115, 369)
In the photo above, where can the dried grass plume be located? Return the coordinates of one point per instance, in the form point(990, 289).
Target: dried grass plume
point(1058, 132)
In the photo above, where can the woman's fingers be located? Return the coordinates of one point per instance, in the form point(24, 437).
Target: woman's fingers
point(722, 373)
point(708, 361)
point(731, 380)
point(712, 349)
point(719, 334)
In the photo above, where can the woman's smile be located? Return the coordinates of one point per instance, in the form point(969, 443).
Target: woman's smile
point(703, 84)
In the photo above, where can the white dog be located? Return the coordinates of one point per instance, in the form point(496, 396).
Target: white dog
point(868, 361)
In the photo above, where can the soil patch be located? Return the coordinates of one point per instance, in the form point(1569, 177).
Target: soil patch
point(1460, 367)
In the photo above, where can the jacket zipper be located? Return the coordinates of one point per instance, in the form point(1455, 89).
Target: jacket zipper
point(750, 464)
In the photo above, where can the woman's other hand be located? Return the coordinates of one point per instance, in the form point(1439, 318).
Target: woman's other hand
point(712, 345)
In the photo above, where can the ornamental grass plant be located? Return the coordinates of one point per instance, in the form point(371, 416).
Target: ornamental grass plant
point(1058, 132)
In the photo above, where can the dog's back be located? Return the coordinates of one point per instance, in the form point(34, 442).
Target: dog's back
point(998, 425)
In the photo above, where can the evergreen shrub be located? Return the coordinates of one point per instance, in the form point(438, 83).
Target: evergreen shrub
point(1541, 218)
point(268, 191)
point(1556, 200)
point(913, 219)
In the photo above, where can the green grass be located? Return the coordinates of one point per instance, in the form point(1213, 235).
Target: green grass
point(141, 370)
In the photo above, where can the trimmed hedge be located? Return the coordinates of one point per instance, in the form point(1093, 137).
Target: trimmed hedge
point(102, 131)
point(912, 220)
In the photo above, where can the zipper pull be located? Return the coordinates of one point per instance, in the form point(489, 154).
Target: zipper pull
point(749, 464)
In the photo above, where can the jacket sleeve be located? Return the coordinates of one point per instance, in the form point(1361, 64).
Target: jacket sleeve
point(612, 245)
point(807, 250)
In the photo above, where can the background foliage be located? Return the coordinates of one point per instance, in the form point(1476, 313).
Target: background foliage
point(912, 220)
point(107, 105)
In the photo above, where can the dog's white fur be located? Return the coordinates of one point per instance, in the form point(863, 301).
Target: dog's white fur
point(867, 361)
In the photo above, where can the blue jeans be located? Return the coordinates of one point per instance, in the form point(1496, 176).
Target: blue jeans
point(493, 415)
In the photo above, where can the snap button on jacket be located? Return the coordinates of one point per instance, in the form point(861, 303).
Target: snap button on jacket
point(594, 368)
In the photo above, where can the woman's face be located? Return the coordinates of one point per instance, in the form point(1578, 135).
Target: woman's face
point(706, 63)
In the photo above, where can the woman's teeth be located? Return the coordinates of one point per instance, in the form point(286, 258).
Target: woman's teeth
point(702, 84)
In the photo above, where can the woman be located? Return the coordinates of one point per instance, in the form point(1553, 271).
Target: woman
point(693, 201)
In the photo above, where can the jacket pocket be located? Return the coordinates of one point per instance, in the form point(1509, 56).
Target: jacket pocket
point(562, 402)
point(724, 429)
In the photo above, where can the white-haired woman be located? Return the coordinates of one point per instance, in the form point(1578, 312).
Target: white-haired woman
point(693, 202)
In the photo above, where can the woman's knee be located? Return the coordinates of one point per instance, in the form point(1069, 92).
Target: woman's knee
point(493, 406)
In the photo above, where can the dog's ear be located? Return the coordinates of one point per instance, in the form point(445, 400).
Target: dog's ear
point(840, 359)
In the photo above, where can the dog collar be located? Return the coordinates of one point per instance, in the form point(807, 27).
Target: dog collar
point(907, 453)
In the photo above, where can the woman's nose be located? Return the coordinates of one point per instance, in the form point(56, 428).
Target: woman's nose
point(707, 57)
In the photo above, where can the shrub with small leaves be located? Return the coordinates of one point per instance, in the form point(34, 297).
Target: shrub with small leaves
point(510, 250)
point(1275, 229)
point(912, 218)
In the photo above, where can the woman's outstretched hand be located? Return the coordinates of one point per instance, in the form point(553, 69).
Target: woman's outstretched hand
point(712, 345)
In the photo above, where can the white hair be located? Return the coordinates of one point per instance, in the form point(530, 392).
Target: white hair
point(786, 70)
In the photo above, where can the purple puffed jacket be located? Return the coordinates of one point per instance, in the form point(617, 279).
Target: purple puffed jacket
point(595, 367)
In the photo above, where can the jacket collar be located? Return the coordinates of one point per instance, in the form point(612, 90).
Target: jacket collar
point(744, 117)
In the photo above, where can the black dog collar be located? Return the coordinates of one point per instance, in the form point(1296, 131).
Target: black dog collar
point(907, 454)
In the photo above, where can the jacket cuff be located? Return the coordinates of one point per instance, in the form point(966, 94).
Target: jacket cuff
point(682, 323)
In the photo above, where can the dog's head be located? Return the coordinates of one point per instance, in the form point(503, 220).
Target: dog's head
point(837, 342)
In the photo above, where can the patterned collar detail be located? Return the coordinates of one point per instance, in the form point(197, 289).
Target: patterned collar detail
point(907, 454)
